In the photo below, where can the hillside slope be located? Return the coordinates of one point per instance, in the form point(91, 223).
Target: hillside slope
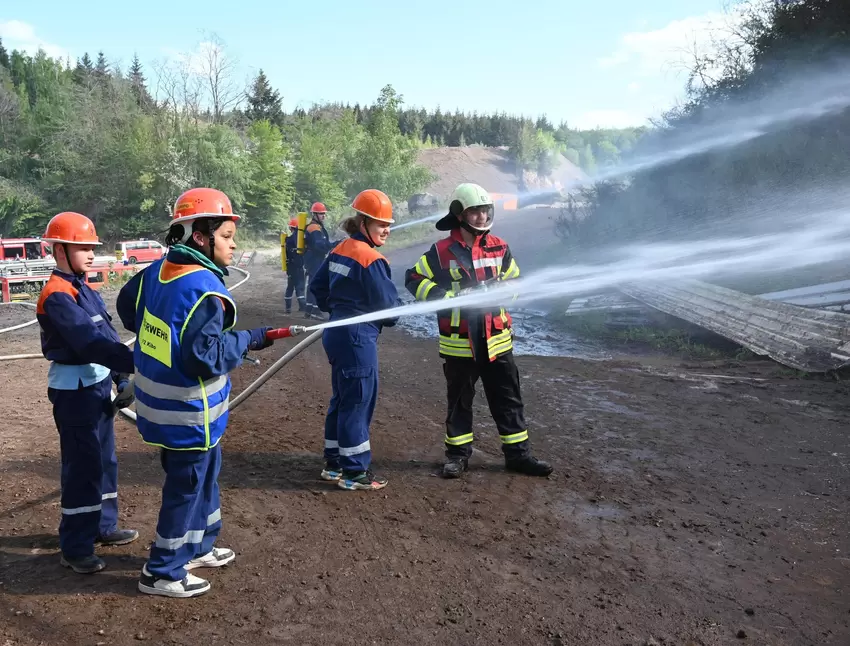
point(492, 168)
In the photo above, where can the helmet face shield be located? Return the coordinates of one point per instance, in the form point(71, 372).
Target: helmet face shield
point(478, 218)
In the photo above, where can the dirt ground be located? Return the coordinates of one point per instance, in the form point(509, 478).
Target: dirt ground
point(691, 504)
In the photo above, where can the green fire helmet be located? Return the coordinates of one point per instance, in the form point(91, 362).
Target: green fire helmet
point(464, 197)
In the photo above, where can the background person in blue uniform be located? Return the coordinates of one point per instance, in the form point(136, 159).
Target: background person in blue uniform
point(317, 244)
point(183, 316)
point(355, 279)
point(84, 351)
point(294, 270)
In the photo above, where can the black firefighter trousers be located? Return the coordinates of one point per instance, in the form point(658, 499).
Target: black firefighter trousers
point(500, 378)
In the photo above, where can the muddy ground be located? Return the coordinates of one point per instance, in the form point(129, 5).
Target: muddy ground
point(691, 504)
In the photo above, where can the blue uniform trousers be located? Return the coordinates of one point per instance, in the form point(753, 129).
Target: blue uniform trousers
point(295, 280)
point(89, 502)
point(353, 354)
point(311, 271)
point(190, 516)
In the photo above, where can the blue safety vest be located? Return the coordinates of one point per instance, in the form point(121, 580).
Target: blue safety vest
point(176, 410)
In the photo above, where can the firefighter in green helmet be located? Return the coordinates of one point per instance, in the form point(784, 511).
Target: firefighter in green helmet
point(475, 343)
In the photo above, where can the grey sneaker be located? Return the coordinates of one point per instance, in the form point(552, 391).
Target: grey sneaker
point(84, 565)
point(118, 537)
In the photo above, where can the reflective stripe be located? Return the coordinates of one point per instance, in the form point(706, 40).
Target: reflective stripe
point(181, 418)
point(454, 272)
point(179, 393)
point(516, 438)
point(331, 444)
point(512, 270)
point(97, 318)
point(356, 450)
point(455, 322)
point(108, 496)
point(194, 536)
point(339, 268)
point(214, 517)
point(459, 440)
point(423, 268)
point(455, 347)
point(422, 294)
point(496, 261)
point(81, 510)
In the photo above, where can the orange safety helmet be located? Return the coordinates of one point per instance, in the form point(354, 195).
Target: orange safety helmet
point(293, 223)
point(374, 204)
point(198, 203)
point(71, 228)
point(318, 207)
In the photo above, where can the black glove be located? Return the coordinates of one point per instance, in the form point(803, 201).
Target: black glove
point(258, 338)
point(126, 392)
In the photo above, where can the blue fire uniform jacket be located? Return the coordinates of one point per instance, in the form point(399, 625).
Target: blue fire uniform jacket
point(355, 279)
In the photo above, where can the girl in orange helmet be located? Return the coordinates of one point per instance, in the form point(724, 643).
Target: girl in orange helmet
point(184, 317)
point(355, 279)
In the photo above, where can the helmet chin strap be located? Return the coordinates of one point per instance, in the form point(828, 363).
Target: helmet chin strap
point(368, 235)
point(68, 260)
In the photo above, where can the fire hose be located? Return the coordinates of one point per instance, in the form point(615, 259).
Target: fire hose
point(20, 325)
point(280, 333)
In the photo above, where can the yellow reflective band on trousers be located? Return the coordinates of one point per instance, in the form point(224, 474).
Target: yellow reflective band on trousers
point(455, 347)
point(516, 438)
point(460, 440)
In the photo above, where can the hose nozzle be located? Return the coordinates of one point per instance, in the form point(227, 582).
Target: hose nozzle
point(284, 332)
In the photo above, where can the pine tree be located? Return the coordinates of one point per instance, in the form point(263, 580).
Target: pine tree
point(4, 56)
point(86, 62)
point(137, 83)
point(264, 102)
point(101, 68)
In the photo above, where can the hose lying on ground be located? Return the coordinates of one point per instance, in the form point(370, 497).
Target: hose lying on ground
point(38, 355)
point(250, 390)
point(20, 325)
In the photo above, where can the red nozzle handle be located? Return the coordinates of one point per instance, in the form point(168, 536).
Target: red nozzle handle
point(283, 332)
point(279, 333)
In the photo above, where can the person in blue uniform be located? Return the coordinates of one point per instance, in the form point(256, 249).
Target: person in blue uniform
point(317, 244)
point(355, 279)
point(183, 316)
point(294, 270)
point(86, 356)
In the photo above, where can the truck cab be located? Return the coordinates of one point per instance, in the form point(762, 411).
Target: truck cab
point(21, 249)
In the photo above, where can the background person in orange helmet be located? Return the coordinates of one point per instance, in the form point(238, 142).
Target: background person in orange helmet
point(84, 351)
point(355, 279)
point(294, 270)
point(184, 316)
point(317, 244)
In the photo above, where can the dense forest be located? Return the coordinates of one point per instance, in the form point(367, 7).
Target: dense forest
point(775, 48)
point(120, 145)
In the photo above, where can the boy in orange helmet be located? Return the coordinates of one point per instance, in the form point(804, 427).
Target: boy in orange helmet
point(86, 356)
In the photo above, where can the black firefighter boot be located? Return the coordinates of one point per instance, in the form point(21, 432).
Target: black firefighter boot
point(527, 465)
point(455, 466)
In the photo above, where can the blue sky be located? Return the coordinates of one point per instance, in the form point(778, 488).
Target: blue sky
point(608, 63)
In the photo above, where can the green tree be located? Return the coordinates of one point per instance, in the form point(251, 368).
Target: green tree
point(137, 81)
point(269, 194)
point(264, 102)
point(4, 56)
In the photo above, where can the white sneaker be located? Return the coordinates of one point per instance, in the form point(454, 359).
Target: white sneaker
point(190, 586)
point(216, 558)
